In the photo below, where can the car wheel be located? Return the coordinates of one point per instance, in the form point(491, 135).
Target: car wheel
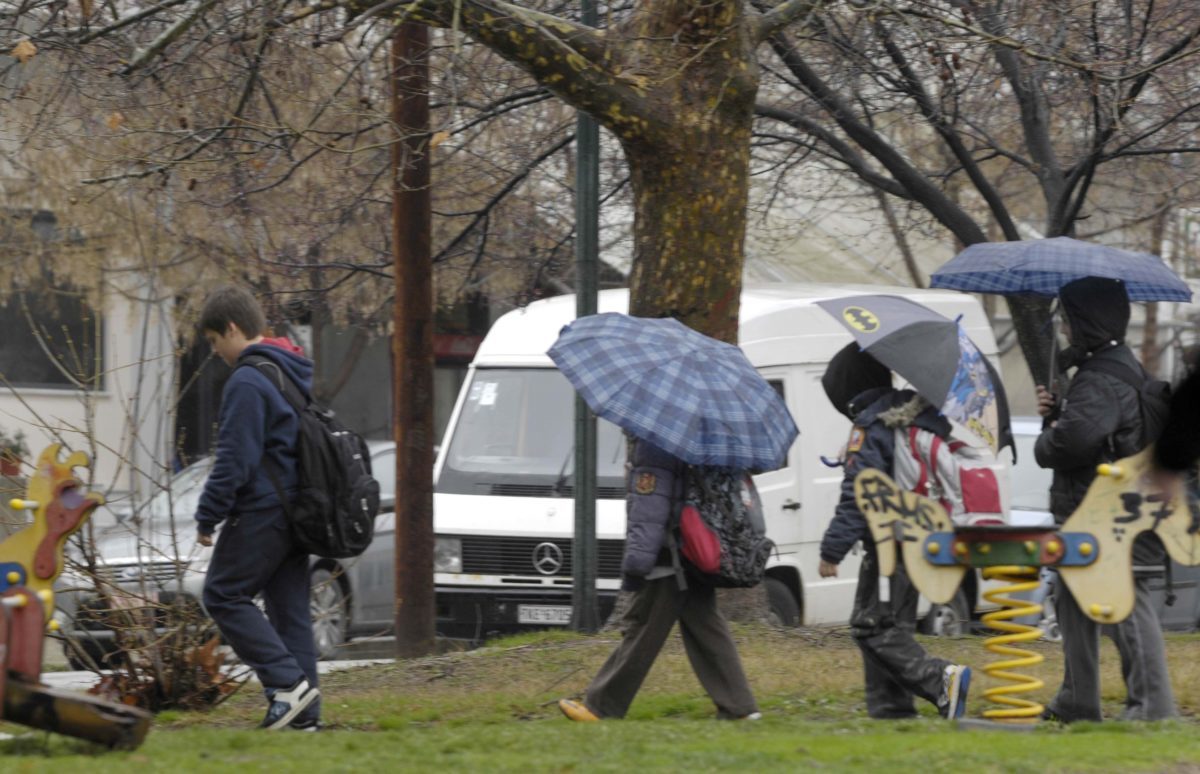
point(86, 655)
point(1049, 622)
point(782, 608)
point(952, 619)
point(327, 602)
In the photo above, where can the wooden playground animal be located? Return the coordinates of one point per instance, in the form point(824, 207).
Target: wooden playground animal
point(1092, 552)
point(30, 561)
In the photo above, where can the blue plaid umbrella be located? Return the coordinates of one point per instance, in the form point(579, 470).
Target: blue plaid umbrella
point(692, 396)
point(1043, 266)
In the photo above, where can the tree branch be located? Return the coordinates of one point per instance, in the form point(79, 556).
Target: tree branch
point(947, 212)
point(784, 14)
point(911, 84)
point(843, 151)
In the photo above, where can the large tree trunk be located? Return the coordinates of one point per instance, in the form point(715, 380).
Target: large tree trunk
point(690, 227)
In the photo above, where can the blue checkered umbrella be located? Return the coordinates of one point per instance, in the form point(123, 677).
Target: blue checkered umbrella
point(1043, 266)
point(693, 396)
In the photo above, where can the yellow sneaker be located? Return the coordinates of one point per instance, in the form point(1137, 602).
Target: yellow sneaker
point(577, 711)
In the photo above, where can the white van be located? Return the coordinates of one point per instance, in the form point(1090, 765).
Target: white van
point(503, 508)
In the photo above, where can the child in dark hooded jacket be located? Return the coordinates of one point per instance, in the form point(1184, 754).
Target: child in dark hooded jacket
point(883, 620)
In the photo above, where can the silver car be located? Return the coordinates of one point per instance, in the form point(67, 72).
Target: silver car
point(153, 559)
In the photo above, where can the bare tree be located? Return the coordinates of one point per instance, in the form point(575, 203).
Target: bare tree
point(1006, 120)
point(674, 82)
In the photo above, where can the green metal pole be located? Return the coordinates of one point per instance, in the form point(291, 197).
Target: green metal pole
point(585, 616)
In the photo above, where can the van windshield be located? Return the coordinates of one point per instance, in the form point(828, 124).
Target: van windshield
point(515, 435)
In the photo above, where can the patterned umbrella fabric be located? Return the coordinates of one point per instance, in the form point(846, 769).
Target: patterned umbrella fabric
point(1043, 266)
point(693, 396)
point(935, 355)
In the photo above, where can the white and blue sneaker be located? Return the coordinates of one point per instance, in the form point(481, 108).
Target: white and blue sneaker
point(955, 682)
point(287, 704)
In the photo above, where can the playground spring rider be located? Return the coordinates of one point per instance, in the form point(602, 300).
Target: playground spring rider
point(1092, 551)
point(30, 561)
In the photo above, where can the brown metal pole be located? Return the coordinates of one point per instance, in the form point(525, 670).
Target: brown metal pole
point(412, 342)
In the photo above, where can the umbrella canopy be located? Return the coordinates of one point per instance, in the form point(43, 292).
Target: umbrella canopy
point(935, 355)
point(693, 396)
point(1043, 266)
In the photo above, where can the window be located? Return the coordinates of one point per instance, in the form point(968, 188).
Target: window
point(51, 338)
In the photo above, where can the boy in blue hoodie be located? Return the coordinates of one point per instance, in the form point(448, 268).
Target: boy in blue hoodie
point(256, 465)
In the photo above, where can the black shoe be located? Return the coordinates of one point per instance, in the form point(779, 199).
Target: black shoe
point(1051, 715)
point(287, 704)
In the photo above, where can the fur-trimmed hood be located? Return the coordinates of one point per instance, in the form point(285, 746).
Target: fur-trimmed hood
point(901, 408)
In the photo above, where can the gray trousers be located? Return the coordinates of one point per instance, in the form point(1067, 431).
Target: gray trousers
point(706, 639)
point(895, 666)
point(1139, 641)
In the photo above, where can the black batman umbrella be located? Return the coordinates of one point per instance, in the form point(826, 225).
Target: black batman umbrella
point(934, 354)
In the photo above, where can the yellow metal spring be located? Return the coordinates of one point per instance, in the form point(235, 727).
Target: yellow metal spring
point(1014, 708)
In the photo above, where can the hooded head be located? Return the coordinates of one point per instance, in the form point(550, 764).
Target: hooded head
point(852, 372)
point(1097, 309)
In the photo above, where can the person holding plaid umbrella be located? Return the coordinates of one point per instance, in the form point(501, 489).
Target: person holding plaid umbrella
point(1099, 418)
point(686, 399)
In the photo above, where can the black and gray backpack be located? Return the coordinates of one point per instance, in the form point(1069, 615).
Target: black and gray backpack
point(722, 531)
point(333, 513)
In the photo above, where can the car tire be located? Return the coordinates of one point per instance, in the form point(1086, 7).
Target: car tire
point(782, 609)
point(94, 655)
point(327, 602)
point(952, 619)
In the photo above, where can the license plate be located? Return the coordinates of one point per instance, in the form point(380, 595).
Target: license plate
point(544, 614)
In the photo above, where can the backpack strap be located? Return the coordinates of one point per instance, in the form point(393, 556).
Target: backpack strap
point(291, 393)
point(270, 369)
point(1118, 370)
point(1124, 373)
point(922, 485)
point(681, 488)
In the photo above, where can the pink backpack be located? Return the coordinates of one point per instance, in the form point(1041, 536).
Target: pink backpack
point(956, 474)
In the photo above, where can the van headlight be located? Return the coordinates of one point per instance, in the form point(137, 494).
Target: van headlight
point(447, 555)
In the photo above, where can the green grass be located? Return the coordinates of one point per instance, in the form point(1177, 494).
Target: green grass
point(493, 710)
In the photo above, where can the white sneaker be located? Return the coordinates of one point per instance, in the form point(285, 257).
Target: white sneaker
point(287, 704)
point(955, 682)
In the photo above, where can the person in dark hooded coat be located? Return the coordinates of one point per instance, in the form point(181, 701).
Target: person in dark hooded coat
point(896, 667)
point(1099, 419)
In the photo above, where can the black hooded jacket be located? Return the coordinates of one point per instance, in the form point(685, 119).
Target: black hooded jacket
point(1100, 416)
point(872, 445)
point(1178, 447)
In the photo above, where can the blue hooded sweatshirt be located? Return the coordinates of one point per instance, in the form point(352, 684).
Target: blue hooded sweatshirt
point(256, 422)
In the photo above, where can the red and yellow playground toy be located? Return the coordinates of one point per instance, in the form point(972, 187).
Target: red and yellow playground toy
point(1092, 552)
point(30, 561)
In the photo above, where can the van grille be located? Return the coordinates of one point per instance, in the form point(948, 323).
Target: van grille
point(515, 556)
point(547, 490)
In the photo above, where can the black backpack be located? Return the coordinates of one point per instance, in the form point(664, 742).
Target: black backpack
point(722, 531)
point(1154, 395)
point(333, 514)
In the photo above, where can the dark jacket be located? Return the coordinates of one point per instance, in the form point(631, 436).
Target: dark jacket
point(872, 445)
point(654, 495)
point(1100, 417)
point(1178, 447)
point(256, 424)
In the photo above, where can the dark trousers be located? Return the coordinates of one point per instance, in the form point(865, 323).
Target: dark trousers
point(1140, 643)
point(255, 555)
point(706, 639)
point(896, 668)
